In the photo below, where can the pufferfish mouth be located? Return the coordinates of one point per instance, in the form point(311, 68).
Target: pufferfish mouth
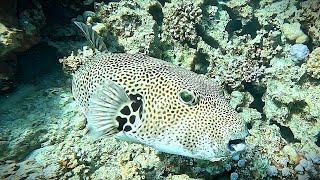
point(236, 145)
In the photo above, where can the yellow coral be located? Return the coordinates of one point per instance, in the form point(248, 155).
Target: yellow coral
point(313, 63)
point(294, 33)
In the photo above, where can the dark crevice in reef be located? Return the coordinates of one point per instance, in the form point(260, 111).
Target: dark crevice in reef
point(297, 107)
point(235, 24)
point(304, 27)
point(257, 93)
point(306, 81)
point(223, 176)
point(200, 64)
point(35, 62)
point(40, 58)
point(210, 2)
point(318, 139)
point(255, 4)
point(157, 14)
point(251, 28)
point(286, 133)
point(229, 10)
point(189, 44)
point(57, 14)
point(269, 27)
point(249, 125)
point(310, 42)
point(298, 5)
point(163, 2)
point(207, 39)
point(284, 21)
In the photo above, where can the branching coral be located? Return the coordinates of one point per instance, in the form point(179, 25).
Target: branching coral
point(239, 64)
point(241, 8)
point(122, 21)
point(264, 143)
point(131, 23)
point(71, 63)
point(309, 16)
point(180, 21)
point(313, 63)
point(275, 13)
point(242, 71)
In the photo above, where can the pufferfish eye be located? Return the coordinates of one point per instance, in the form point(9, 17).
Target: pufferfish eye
point(188, 97)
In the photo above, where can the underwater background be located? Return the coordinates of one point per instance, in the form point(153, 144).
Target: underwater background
point(264, 54)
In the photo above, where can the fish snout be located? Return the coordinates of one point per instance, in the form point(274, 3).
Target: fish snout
point(236, 145)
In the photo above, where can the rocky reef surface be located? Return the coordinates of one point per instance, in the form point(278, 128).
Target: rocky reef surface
point(264, 54)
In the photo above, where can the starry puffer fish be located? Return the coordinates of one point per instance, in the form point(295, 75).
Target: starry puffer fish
point(152, 102)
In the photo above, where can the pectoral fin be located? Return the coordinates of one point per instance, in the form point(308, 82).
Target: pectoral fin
point(105, 105)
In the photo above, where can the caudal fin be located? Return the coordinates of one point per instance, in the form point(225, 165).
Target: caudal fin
point(94, 39)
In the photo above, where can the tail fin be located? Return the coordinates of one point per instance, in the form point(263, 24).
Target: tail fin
point(95, 40)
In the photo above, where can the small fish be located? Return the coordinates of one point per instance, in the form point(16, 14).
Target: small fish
point(145, 100)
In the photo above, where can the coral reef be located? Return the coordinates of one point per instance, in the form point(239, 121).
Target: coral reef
point(130, 22)
point(32, 20)
point(309, 17)
point(251, 48)
point(19, 30)
point(16, 35)
point(10, 39)
point(238, 65)
point(313, 63)
point(180, 21)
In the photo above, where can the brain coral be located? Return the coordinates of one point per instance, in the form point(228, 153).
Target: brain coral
point(313, 63)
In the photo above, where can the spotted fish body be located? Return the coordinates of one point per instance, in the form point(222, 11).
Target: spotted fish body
point(149, 101)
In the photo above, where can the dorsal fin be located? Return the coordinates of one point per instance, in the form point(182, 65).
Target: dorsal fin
point(95, 40)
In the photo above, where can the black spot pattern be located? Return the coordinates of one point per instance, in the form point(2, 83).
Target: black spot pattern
point(122, 122)
point(132, 119)
point(125, 110)
point(158, 83)
point(127, 128)
point(136, 105)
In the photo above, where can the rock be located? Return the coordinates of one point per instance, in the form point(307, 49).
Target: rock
point(272, 171)
point(234, 176)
